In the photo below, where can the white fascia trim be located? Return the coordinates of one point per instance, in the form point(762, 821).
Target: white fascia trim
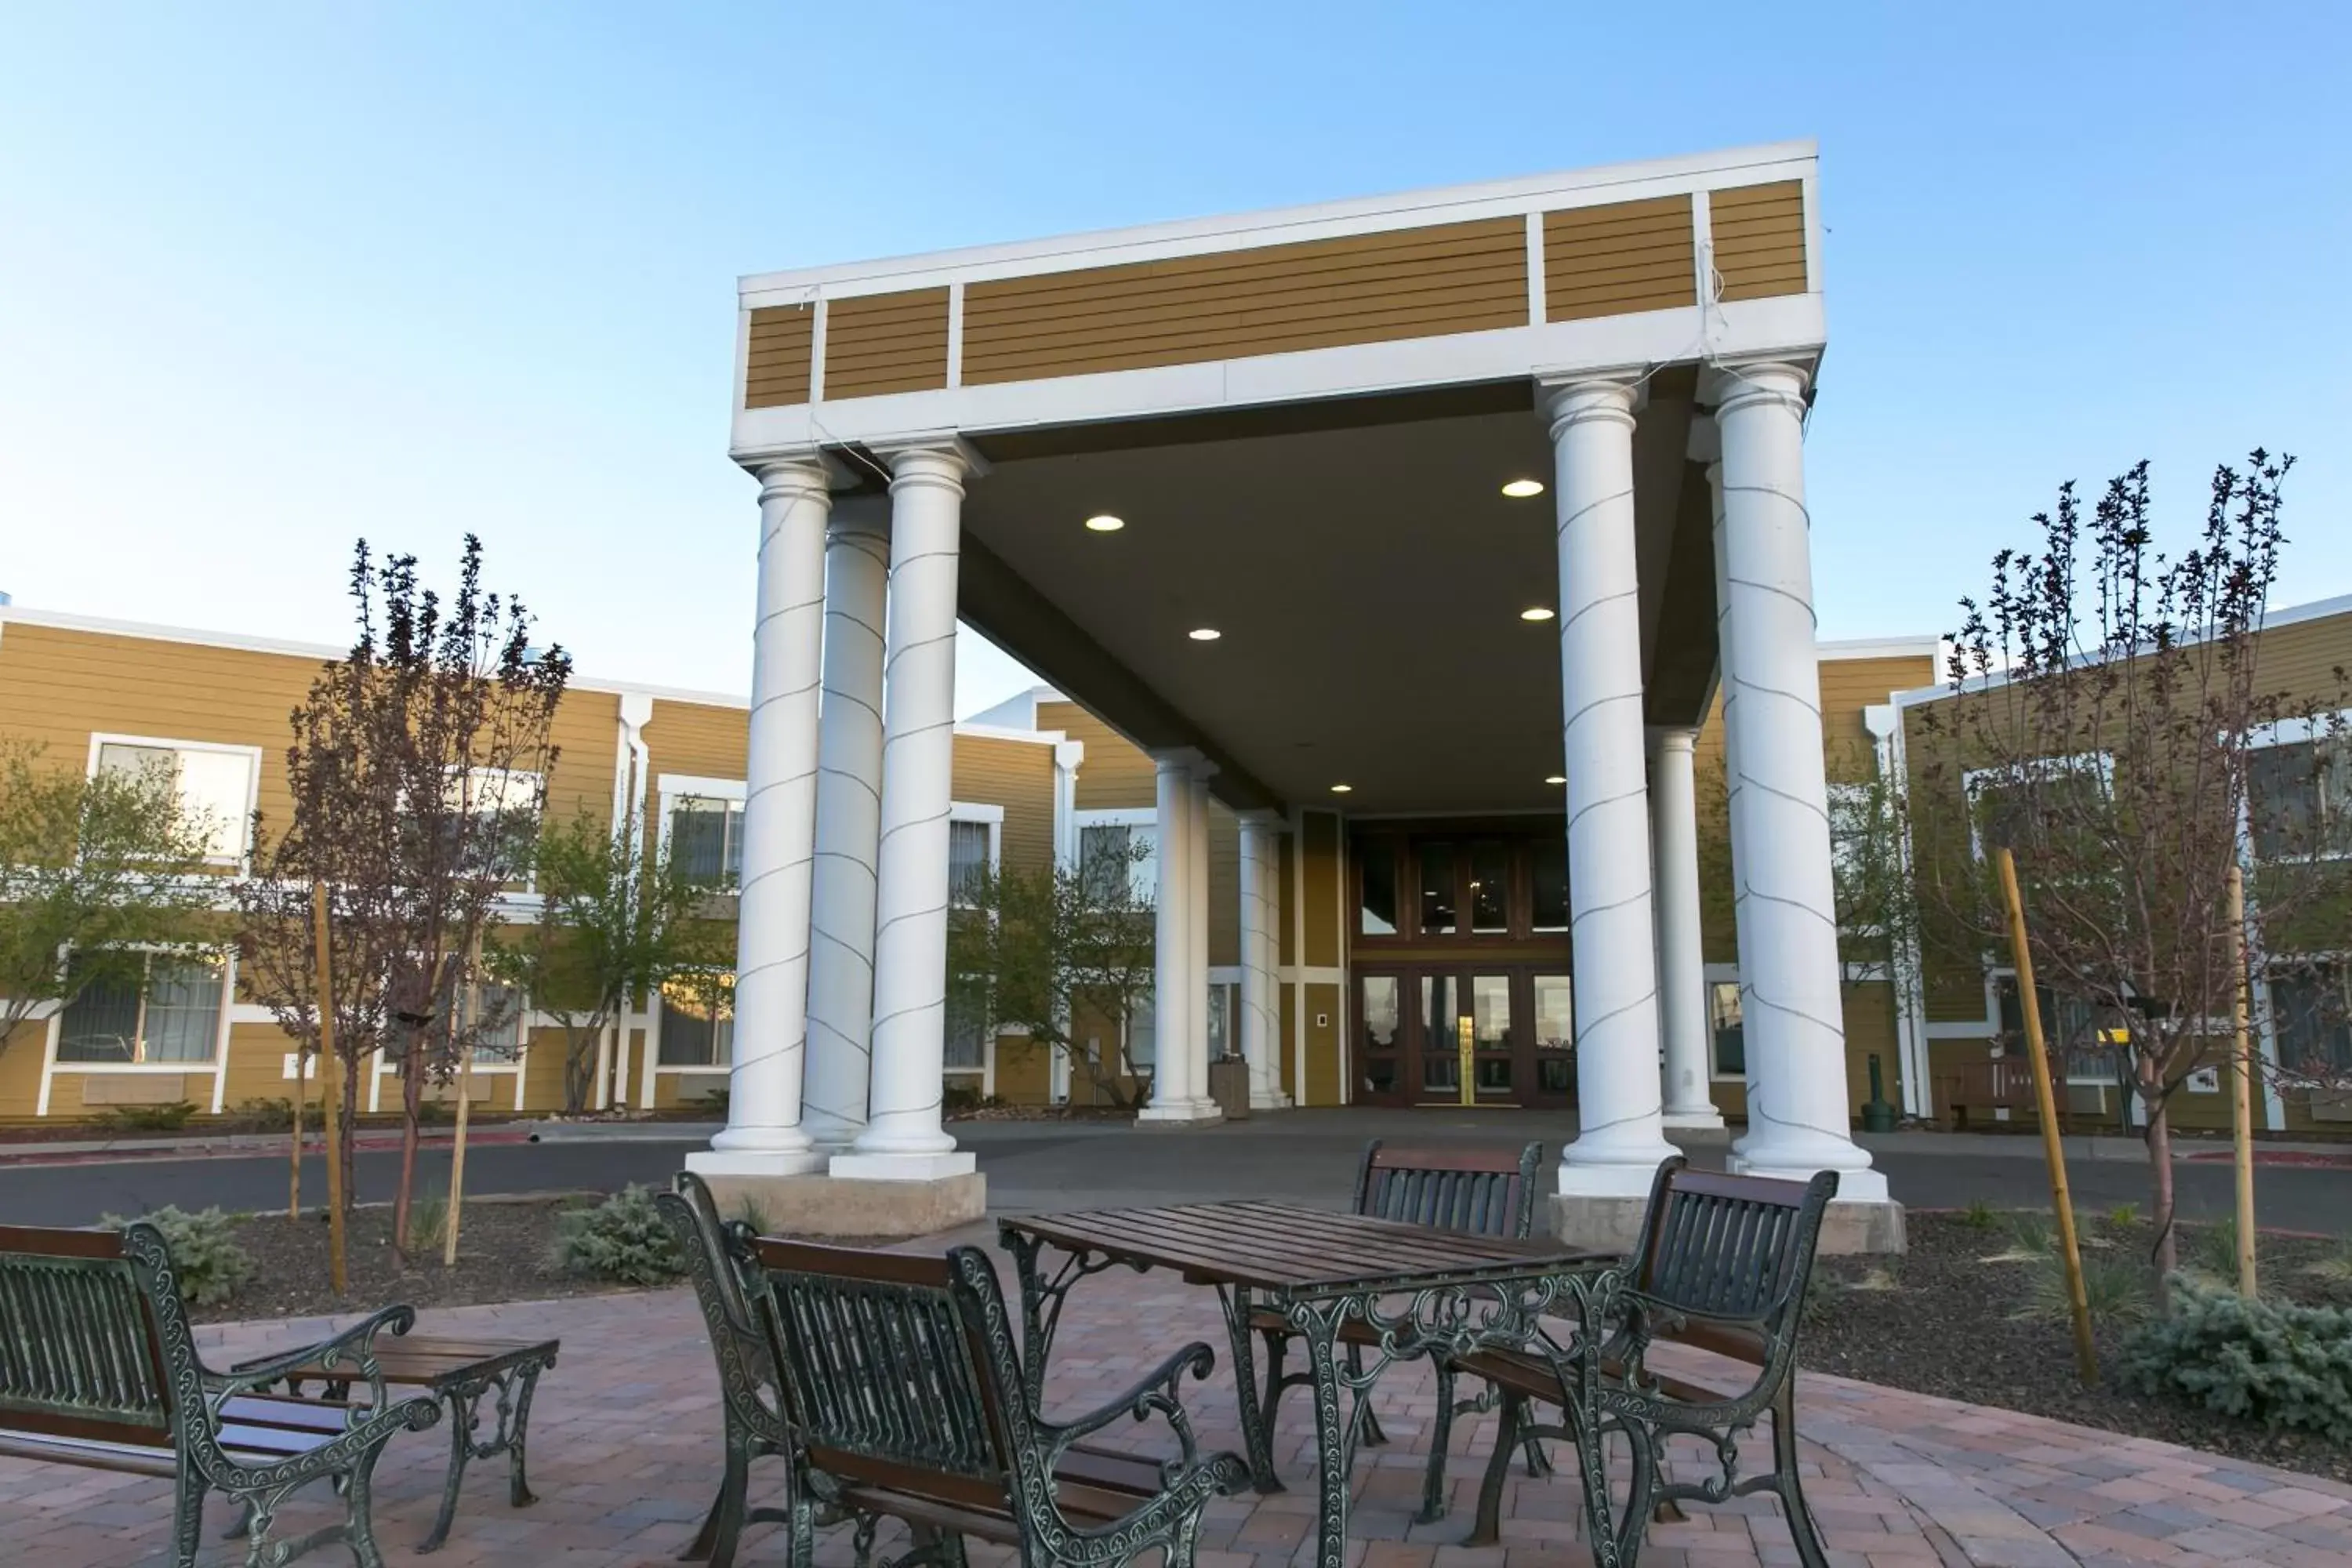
point(1285, 225)
point(672, 784)
point(1007, 733)
point(1789, 326)
point(966, 811)
point(1883, 647)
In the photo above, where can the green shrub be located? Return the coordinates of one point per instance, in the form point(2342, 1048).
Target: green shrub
point(2212, 1251)
point(265, 1115)
point(2286, 1366)
point(623, 1239)
point(2115, 1289)
point(429, 1222)
point(2122, 1216)
point(150, 1118)
point(1979, 1214)
point(753, 1213)
point(205, 1254)
point(2335, 1264)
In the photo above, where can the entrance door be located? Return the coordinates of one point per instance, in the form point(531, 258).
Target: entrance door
point(1415, 1022)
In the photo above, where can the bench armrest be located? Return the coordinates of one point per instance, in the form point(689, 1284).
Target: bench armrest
point(1156, 1392)
point(353, 1350)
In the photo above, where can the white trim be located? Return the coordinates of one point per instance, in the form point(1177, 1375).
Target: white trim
point(1883, 647)
point(955, 336)
point(969, 811)
point(668, 784)
point(1537, 302)
point(982, 731)
point(101, 739)
point(817, 335)
point(1758, 164)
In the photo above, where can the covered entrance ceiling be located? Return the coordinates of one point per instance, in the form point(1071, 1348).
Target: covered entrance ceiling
point(1366, 577)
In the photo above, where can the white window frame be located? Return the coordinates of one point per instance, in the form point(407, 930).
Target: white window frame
point(2289, 733)
point(672, 788)
point(51, 1068)
point(1119, 816)
point(2099, 762)
point(100, 740)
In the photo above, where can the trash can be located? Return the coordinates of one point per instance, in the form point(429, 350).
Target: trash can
point(1229, 1087)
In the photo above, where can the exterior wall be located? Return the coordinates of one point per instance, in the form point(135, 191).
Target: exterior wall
point(1117, 775)
point(1017, 775)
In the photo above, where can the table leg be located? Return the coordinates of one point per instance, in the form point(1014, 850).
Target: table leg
point(1317, 1326)
point(1042, 1296)
point(1257, 1440)
point(516, 1433)
point(461, 1400)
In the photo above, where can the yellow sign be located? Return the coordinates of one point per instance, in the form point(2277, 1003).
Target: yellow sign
point(1467, 1029)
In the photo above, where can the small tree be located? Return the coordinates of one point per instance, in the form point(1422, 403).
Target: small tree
point(89, 865)
point(613, 922)
point(1049, 949)
point(2108, 710)
point(415, 767)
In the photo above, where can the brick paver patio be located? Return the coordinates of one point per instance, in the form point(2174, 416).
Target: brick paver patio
point(625, 1455)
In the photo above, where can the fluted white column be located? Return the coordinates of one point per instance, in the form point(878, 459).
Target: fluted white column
point(1259, 1032)
point(1178, 1009)
point(904, 1140)
point(1619, 1141)
point(1682, 958)
point(1790, 969)
point(763, 1136)
point(1196, 882)
point(848, 821)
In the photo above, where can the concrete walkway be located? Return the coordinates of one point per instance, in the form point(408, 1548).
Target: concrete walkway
point(625, 1456)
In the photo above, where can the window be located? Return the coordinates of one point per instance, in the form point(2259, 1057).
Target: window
point(1731, 1034)
point(1438, 892)
point(2311, 1008)
point(214, 783)
point(705, 840)
point(2048, 799)
point(1123, 843)
point(698, 1029)
point(1550, 868)
point(2297, 796)
point(969, 859)
point(1490, 886)
point(966, 1047)
point(1142, 1037)
point(1555, 1034)
point(1379, 1016)
point(1378, 913)
point(1220, 1022)
point(501, 1007)
point(168, 1012)
point(2069, 1031)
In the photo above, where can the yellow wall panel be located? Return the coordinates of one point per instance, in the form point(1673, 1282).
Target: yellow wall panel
point(1760, 239)
point(875, 344)
point(1621, 257)
point(1018, 776)
point(782, 345)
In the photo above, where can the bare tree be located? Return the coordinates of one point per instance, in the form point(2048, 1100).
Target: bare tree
point(615, 921)
point(1054, 951)
point(416, 767)
point(2109, 711)
point(90, 864)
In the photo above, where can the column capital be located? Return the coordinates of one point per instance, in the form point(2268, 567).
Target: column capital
point(1185, 759)
point(1572, 397)
point(803, 468)
point(1068, 754)
point(1664, 738)
point(1262, 819)
point(942, 458)
point(1733, 386)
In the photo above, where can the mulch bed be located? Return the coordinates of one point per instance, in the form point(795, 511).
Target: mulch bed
point(1040, 1113)
point(1942, 1319)
point(503, 1255)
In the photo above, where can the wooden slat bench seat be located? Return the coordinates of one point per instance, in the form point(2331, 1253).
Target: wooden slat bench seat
point(98, 1370)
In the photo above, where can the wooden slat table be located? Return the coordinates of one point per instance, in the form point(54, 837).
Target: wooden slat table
point(461, 1374)
point(1413, 1289)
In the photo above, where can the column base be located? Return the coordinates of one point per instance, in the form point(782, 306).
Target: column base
point(1630, 1178)
point(1269, 1101)
point(831, 1206)
point(1183, 1113)
point(1706, 1118)
point(753, 1164)
point(856, 1167)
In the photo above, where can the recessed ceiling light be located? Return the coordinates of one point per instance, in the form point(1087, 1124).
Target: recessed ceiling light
point(1103, 523)
point(1556, 779)
point(1535, 613)
point(1341, 789)
point(1204, 634)
point(1520, 490)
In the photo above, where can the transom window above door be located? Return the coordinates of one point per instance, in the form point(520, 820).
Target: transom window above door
point(1468, 886)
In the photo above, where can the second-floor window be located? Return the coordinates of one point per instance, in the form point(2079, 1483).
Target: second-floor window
point(705, 840)
point(2310, 1008)
point(214, 783)
point(2299, 798)
point(167, 1011)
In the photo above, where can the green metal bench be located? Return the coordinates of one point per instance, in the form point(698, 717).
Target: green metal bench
point(1722, 1266)
point(1482, 1190)
point(98, 1369)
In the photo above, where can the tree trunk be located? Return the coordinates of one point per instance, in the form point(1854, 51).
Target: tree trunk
point(411, 1105)
point(2167, 1254)
point(579, 1063)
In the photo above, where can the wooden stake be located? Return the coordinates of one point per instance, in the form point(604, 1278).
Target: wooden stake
point(465, 1101)
point(330, 1094)
point(2045, 1101)
point(2241, 1084)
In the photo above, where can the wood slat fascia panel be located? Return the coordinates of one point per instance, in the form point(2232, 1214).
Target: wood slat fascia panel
point(1760, 239)
point(877, 344)
point(1619, 258)
point(1455, 278)
point(783, 339)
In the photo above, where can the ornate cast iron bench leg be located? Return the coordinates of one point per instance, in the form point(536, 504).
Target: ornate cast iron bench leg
point(511, 1436)
point(1257, 1418)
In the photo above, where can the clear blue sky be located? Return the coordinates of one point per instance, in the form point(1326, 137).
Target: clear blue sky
point(274, 277)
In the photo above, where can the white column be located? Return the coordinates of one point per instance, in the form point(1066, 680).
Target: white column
point(1258, 1031)
point(848, 821)
point(763, 1136)
point(904, 1140)
point(1067, 757)
point(1196, 907)
point(1682, 958)
point(1790, 969)
point(1175, 1007)
point(1619, 1141)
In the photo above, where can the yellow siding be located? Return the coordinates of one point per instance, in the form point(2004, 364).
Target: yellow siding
point(1280, 298)
point(20, 1072)
point(1116, 774)
point(1224, 886)
point(1018, 776)
point(1320, 830)
point(1323, 1066)
point(1024, 1070)
point(256, 1066)
point(875, 344)
point(1760, 239)
point(1624, 256)
point(783, 342)
point(1289, 1013)
point(1869, 1009)
point(542, 1074)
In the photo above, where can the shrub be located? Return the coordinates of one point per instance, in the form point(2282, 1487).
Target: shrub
point(150, 1118)
point(753, 1213)
point(2287, 1366)
point(205, 1254)
point(2115, 1289)
point(2212, 1251)
point(1979, 1214)
point(265, 1115)
point(623, 1239)
point(2335, 1264)
point(2122, 1216)
point(429, 1222)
